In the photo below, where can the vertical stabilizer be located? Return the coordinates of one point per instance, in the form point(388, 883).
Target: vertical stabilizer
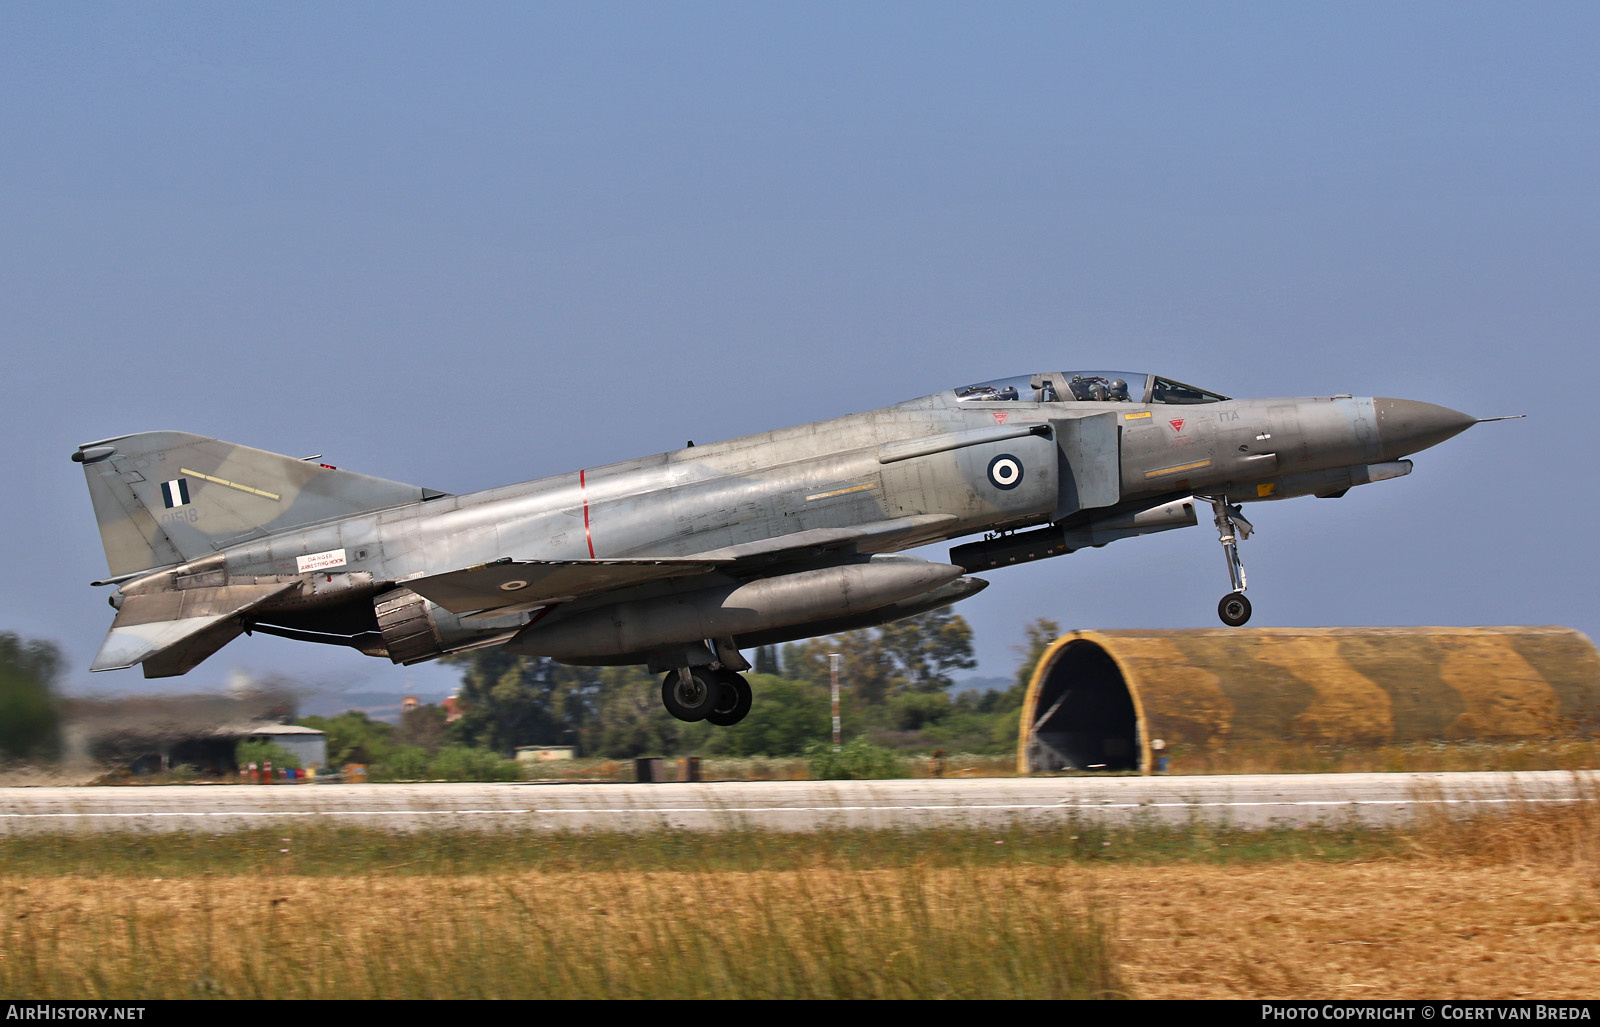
point(164, 498)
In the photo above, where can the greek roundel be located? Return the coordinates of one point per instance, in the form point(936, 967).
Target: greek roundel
point(1005, 472)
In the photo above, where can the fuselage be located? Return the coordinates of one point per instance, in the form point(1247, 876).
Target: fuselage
point(1071, 452)
point(823, 475)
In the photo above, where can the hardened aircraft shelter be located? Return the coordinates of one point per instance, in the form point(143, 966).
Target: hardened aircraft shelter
point(1127, 700)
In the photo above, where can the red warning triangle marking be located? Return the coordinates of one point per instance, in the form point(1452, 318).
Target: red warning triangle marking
point(1177, 425)
point(1000, 416)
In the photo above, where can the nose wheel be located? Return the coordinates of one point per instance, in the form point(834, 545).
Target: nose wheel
point(1234, 609)
point(1232, 528)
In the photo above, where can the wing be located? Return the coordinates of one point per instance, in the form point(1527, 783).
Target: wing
point(506, 586)
point(510, 586)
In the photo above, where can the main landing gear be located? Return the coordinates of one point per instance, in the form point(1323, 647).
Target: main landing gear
point(717, 694)
point(1232, 528)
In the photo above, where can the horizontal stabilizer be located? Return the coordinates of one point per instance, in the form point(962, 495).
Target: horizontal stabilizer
point(171, 632)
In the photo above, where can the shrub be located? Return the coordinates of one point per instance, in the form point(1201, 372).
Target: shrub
point(857, 760)
point(459, 763)
point(404, 763)
point(260, 752)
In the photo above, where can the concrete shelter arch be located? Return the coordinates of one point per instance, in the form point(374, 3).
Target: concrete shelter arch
point(1100, 700)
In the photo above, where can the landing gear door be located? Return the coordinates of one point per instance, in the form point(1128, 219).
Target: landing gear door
point(1091, 463)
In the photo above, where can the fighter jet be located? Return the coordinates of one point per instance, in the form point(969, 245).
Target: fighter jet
point(678, 561)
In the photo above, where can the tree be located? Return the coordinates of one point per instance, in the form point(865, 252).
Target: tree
point(928, 647)
point(767, 660)
point(785, 716)
point(1040, 634)
point(510, 700)
point(865, 674)
point(30, 722)
point(629, 719)
point(913, 711)
point(915, 654)
point(424, 727)
point(261, 752)
point(353, 737)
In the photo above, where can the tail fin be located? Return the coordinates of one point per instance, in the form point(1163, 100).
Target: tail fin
point(165, 497)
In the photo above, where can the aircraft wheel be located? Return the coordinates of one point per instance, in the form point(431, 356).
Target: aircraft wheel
point(1234, 609)
point(691, 701)
point(734, 701)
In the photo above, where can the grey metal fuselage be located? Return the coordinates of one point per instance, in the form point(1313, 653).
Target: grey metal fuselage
point(923, 471)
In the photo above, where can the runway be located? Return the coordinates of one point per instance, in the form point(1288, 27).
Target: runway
point(1245, 801)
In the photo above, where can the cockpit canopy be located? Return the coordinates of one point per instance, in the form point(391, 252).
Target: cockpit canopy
point(1086, 387)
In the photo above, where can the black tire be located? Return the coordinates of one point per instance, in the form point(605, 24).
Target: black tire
point(1234, 609)
point(734, 702)
point(693, 701)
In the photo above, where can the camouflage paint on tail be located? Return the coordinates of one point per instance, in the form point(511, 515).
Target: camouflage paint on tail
point(165, 498)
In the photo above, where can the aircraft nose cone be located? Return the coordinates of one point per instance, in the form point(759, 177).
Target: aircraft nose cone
point(1406, 426)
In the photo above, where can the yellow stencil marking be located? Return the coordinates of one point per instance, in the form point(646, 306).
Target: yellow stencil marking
point(1135, 417)
point(840, 492)
point(1266, 489)
point(231, 484)
point(1181, 467)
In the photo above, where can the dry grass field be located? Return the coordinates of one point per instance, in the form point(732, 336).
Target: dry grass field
point(777, 934)
point(1496, 907)
point(1429, 928)
point(1489, 907)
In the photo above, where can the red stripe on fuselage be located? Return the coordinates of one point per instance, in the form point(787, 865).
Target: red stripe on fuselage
point(583, 487)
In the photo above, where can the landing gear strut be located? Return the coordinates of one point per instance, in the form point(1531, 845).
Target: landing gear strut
point(1232, 528)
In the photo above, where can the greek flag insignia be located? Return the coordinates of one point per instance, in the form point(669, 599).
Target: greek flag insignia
point(175, 492)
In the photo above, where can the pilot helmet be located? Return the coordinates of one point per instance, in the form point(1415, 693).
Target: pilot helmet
point(1119, 389)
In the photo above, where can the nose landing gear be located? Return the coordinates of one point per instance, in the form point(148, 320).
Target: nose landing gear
point(1232, 528)
point(1234, 609)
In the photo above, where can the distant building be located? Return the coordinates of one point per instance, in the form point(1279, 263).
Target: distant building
point(308, 745)
point(150, 734)
point(545, 753)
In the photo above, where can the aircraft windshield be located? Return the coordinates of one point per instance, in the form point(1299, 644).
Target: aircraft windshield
point(1085, 387)
point(1165, 390)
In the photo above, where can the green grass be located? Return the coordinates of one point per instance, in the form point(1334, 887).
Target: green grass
point(329, 851)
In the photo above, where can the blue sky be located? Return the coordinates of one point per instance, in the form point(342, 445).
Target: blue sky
point(468, 244)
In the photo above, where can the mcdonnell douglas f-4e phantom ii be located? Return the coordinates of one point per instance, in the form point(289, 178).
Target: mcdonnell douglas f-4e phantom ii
point(680, 560)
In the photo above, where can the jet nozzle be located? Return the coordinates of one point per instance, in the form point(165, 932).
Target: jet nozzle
point(1406, 426)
